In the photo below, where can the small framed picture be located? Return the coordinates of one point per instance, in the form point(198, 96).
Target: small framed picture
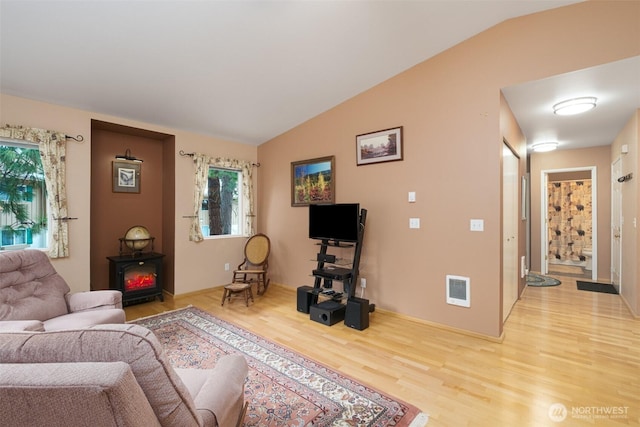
point(313, 181)
point(381, 146)
point(126, 177)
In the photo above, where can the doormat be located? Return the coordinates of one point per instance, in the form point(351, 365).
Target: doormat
point(605, 288)
point(540, 280)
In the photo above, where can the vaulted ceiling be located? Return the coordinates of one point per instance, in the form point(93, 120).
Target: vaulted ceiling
point(244, 71)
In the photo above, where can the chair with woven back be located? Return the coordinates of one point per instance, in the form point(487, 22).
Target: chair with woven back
point(253, 269)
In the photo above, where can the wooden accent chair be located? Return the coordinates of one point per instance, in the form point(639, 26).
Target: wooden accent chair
point(253, 269)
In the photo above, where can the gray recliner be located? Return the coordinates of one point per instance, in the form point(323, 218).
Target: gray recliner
point(33, 296)
point(112, 375)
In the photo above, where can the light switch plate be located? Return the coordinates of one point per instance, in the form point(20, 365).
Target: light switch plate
point(477, 225)
point(414, 222)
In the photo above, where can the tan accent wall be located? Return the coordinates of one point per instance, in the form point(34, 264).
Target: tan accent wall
point(113, 213)
point(450, 109)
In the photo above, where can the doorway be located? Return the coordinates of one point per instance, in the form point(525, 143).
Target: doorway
point(569, 222)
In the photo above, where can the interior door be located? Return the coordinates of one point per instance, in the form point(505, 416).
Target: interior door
point(510, 219)
point(616, 224)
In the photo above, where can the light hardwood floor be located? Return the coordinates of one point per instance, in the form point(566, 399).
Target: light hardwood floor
point(577, 348)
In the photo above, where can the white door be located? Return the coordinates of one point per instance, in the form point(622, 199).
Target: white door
point(509, 230)
point(616, 224)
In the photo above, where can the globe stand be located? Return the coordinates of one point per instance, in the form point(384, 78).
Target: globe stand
point(131, 244)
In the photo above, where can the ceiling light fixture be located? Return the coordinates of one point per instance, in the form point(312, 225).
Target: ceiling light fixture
point(127, 156)
point(575, 106)
point(542, 147)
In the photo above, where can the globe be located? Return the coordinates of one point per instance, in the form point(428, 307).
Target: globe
point(137, 238)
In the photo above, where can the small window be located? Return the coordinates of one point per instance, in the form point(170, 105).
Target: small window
point(23, 197)
point(221, 211)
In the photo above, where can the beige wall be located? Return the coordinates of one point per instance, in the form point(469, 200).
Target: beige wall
point(197, 265)
point(630, 135)
point(597, 157)
point(450, 109)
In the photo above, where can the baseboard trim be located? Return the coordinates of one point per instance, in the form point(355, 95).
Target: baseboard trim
point(444, 327)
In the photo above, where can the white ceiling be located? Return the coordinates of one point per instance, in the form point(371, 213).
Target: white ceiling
point(249, 70)
point(616, 86)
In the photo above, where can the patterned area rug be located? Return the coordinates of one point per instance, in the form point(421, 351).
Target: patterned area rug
point(283, 388)
point(540, 280)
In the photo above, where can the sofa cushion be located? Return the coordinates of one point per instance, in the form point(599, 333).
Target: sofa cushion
point(84, 319)
point(72, 394)
point(133, 344)
point(21, 325)
point(30, 288)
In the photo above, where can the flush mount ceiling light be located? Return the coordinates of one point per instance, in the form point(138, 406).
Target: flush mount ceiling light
point(127, 156)
point(542, 147)
point(575, 106)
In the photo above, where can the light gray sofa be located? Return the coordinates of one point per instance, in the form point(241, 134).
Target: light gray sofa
point(33, 296)
point(111, 375)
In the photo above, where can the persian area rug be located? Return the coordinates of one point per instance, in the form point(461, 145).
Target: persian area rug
point(283, 388)
point(540, 280)
point(605, 288)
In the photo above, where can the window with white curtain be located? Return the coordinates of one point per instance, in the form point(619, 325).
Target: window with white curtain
point(23, 197)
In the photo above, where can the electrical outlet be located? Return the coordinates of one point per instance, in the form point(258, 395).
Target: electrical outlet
point(226, 266)
point(363, 282)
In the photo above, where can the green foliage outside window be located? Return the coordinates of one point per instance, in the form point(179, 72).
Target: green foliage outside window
point(22, 195)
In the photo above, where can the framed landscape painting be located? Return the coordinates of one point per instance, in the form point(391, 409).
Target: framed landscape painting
point(313, 181)
point(381, 146)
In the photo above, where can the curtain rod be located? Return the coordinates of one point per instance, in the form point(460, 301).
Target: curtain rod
point(78, 138)
point(183, 154)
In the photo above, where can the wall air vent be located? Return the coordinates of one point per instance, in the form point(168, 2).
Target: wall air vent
point(458, 292)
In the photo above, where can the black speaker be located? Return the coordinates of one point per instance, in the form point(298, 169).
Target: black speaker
point(357, 313)
point(327, 312)
point(306, 298)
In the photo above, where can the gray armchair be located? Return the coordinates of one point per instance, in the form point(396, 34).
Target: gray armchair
point(33, 296)
point(112, 375)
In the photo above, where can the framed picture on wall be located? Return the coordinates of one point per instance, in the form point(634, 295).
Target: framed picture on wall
point(380, 146)
point(313, 181)
point(126, 176)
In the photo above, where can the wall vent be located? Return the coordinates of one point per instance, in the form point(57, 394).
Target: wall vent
point(458, 291)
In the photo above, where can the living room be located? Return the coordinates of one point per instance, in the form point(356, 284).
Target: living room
point(454, 122)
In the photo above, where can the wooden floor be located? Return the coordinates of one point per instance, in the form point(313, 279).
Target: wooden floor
point(577, 348)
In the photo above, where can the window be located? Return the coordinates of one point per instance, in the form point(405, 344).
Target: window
point(222, 207)
point(23, 197)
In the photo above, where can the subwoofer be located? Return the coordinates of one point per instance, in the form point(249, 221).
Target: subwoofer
point(357, 313)
point(327, 312)
point(306, 298)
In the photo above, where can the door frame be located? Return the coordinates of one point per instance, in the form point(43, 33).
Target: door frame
point(616, 244)
point(544, 236)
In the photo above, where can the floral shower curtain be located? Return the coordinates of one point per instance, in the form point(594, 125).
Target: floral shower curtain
point(52, 146)
point(570, 214)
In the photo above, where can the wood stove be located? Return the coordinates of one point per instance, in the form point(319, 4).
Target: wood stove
point(137, 276)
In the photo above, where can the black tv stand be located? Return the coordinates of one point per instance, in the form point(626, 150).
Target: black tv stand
point(354, 311)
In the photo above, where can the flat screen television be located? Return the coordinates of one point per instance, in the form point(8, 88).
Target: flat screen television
point(339, 222)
